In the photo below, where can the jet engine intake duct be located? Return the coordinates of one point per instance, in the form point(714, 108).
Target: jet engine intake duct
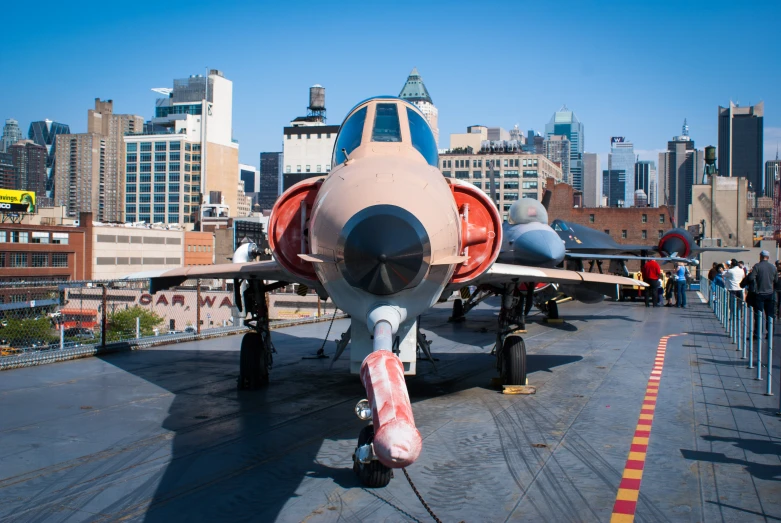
point(481, 230)
point(386, 250)
point(677, 241)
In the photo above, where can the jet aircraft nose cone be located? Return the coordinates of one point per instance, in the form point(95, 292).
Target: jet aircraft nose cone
point(384, 250)
point(539, 247)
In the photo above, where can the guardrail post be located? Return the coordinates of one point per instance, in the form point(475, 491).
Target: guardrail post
point(742, 347)
point(760, 326)
point(138, 327)
point(770, 358)
point(751, 338)
point(198, 306)
point(738, 325)
point(103, 318)
point(732, 317)
point(62, 335)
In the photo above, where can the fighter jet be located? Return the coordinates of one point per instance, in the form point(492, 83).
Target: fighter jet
point(383, 236)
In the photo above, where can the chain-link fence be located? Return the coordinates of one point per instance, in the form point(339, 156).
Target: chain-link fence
point(52, 321)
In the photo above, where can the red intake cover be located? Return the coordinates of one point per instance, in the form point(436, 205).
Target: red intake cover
point(285, 230)
point(481, 232)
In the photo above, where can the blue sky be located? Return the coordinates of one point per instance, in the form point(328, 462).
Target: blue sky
point(626, 69)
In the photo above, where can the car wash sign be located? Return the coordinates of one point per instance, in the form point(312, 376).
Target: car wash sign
point(19, 202)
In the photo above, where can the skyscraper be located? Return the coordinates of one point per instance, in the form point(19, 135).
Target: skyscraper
point(414, 91)
point(45, 133)
point(6, 171)
point(592, 181)
point(614, 187)
point(29, 161)
point(740, 143)
point(557, 149)
point(270, 178)
point(11, 135)
point(565, 123)
point(250, 176)
point(679, 168)
point(186, 156)
point(89, 168)
point(645, 180)
point(622, 158)
point(772, 173)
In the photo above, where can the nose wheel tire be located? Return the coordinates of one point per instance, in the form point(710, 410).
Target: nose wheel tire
point(253, 367)
point(514, 360)
point(373, 474)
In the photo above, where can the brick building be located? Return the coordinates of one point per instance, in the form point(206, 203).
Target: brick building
point(198, 248)
point(46, 252)
point(626, 225)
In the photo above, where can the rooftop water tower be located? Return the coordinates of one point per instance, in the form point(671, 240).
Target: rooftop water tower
point(317, 103)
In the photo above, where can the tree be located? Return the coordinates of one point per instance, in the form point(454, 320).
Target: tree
point(28, 331)
point(122, 324)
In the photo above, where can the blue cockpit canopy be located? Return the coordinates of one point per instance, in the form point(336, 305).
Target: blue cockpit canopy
point(386, 127)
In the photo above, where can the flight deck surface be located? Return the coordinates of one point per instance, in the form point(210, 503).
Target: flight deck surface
point(163, 435)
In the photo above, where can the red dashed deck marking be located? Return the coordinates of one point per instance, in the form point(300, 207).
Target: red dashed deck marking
point(629, 489)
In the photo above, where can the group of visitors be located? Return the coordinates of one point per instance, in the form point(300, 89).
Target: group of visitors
point(759, 287)
point(674, 289)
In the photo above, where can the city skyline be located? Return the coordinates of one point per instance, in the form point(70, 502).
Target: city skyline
point(271, 87)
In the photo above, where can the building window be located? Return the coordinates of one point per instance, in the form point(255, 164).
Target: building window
point(159, 209)
point(145, 178)
point(173, 157)
point(173, 187)
point(146, 146)
point(173, 209)
point(623, 234)
point(318, 169)
point(173, 198)
point(530, 173)
point(132, 168)
point(175, 146)
point(160, 157)
point(307, 167)
point(144, 187)
point(144, 209)
point(173, 218)
point(2, 238)
point(59, 260)
point(159, 187)
point(20, 237)
point(132, 158)
point(130, 198)
point(130, 178)
point(146, 157)
point(160, 146)
point(590, 218)
point(645, 235)
point(298, 168)
point(287, 168)
point(18, 259)
point(40, 259)
point(159, 177)
point(661, 218)
point(145, 168)
point(40, 237)
point(661, 234)
point(144, 198)
point(462, 175)
point(160, 167)
point(131, 147)
point(130, 188)
point(187, 147)
point(130, 209)
point(159, 218)
point(645, 218)
point(160, 198)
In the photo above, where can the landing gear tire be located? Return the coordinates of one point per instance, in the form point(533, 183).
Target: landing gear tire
point(458, 311)
point(514, 360)
point(373, 474)
point(253, 368)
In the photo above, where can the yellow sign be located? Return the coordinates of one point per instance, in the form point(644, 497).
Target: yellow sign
point(17, 201)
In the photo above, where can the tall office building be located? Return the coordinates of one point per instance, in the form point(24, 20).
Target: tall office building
point(250, 176)
point(89, 168)
point(186, 156)
point(679, 168)
point(565, 123)
point(645, 180)
point(740, 143)
point(45, 133)
point(270, 180)
point(592, 181)
point(11, 135)
point(614, 184)
point(772, 174)
point(6, 171)
point(29, 161)
point(535, 142)
point(415, 92)
point(557, 149)
point(622, 158)
point(308, 142)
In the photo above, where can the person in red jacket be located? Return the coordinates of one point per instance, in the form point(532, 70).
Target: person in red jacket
point(651, 274)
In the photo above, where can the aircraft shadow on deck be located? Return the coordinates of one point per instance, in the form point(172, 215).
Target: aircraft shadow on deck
point(754, 446)
point(242, 455)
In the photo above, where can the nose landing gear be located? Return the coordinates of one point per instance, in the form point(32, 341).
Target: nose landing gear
point(256, 347)
point(510, 347)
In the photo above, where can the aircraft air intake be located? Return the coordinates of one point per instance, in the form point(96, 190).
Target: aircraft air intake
point(386, 249)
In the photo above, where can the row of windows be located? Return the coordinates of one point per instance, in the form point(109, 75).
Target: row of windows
point(643, 218)
point(508, 162)
point(157, 218)
point(159, 177)
point(161, 187)
point(158, 198)
point(308, 136)
point(308, 169)
point(643, 234)
point(35, 259)
point(59, 238)
point(159, 147)
point(199, 248)
point(462, 175)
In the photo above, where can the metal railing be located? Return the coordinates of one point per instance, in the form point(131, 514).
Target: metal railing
point(42, 322)
point(750, 328)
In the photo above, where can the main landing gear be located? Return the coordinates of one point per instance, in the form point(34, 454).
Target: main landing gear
point(256, 347)
point(510, 347)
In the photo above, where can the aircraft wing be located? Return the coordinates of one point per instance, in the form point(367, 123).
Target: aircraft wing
point(719, 249)
point(500, 273)
point(628, 257)
point(262, 270)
